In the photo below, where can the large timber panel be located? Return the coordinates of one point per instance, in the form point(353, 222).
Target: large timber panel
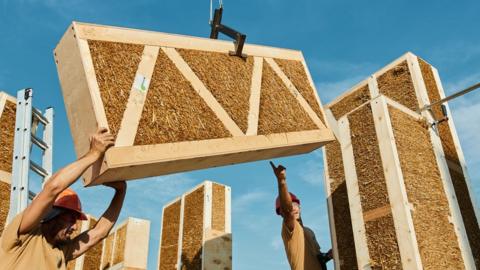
point(154, 89)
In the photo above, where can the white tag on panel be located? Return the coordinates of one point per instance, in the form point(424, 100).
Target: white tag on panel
point(141, 83)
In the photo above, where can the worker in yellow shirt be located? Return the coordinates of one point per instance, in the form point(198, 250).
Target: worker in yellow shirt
point(40, 236)
point(301, 246)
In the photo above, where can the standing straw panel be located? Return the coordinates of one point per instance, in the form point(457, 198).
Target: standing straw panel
point(178, 103)
point(7, 134)
point(126, 247)
point(407, 190)
point(196, 230)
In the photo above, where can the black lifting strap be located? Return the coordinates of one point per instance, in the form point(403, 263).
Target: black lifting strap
point(218, 27)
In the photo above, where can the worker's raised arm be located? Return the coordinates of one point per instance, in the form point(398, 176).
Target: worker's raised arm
point(88, 239)
point(286, 207)
point(62, 179)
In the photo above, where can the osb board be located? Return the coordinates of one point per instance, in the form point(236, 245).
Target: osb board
point(295, 72)
point(173, 111)
point(94, 255)
point(218, 207)
point(437, 241)
point(368, 162)
point(7, 134)
point(341, 210)
point(350, 102)
point(4, 204)
point(108, 250)
point(119, 248)
point(170, 237)
point(228, 79)
point(382, 243)
point(278, 106)
point(193, 230)
point(468, 214)
point(397, 84)
point(115, 67)
point(434, 95)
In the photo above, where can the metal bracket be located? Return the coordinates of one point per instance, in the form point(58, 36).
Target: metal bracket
point(218, 27)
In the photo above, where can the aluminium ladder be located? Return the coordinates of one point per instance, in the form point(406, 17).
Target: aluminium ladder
point(27, 121)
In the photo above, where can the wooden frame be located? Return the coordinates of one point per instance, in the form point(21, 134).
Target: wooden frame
point(85, 109)
point(457, 220)
point(356, 212)
point(216, 250)
point(136, 241)
point(399, 203)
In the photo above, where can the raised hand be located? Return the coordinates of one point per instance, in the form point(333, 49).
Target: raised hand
point(101, 141)
point(280, 171)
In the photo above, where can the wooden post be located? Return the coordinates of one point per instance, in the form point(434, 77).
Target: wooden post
point(358, 224)
point(457, 220)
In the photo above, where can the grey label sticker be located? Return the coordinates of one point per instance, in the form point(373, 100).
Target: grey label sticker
point(141, 83)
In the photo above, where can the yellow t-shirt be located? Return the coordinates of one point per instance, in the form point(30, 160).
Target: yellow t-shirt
point(301, 247)
point(28, 251)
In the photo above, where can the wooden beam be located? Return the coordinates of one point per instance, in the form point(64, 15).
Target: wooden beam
point(312, 84)
point(161, 159)
point(422, 96)
point(331, 216)
point(377, 213)
point(92, 83)
point(294, 91)
point(332, 123)
point(254, 101)
point(126, 35)
point(456, 141)
point(136, 100)
point(373, 86)
point(203, 92)
point(5, 177)
point(397, 193)
point(366, 81)
point(358, 224)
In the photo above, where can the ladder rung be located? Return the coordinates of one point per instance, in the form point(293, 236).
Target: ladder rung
point(38, 169)
point(39, 142)
point(31, 195)
point(37, 114)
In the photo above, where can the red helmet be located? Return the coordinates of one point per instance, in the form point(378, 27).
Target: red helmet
point(277, 202)
point(68, 199)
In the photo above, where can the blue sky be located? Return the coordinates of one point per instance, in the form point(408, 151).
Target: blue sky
point(343, 42)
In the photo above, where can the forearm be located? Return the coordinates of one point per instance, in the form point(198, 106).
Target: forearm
point(108, 219)
point(285, 199)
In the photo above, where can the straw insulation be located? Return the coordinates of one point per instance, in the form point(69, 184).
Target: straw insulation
point(350, 102)
point(437, 241)
point(278, 105)
point(296, 73)
point(7, 134)
point(193, 230)
point(341, 209)
point(173, 111)
point(456, 172)
point(108, 250)
point(4, 203)
point(93, 256)
point(382, 243)
point(218, 207)
point(368, 162)
point(170, 234)
point(115, 67)
point(227, 78)
point(397, 84)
